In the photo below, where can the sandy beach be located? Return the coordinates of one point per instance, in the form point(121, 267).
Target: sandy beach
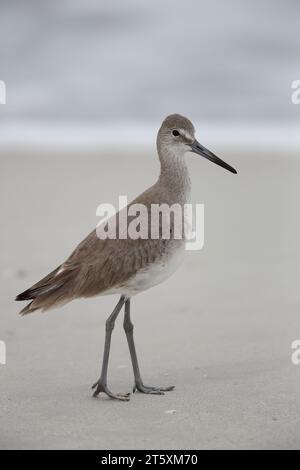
point(220, 329)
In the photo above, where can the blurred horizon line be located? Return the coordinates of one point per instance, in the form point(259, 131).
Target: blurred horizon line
point(117, 133)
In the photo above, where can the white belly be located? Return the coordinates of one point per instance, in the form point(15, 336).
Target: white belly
point(155, 273)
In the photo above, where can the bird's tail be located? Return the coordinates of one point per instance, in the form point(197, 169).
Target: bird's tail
point(47, 293)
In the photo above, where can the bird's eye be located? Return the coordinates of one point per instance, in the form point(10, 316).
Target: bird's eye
point(175, 133)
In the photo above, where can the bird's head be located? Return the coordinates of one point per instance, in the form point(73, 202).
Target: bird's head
point(176, 136)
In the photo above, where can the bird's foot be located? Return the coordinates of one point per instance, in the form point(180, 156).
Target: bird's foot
point(152, 390)
point(101, 387)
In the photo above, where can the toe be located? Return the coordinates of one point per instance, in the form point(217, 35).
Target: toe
point(152, 390)
point(101, 388)
point(149, 390)
point(156, 392)
point(167, 389)
point(122, 397)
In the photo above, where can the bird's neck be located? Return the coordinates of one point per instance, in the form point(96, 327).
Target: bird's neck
point(174, 176)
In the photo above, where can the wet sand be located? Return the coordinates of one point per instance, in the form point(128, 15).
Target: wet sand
point(220, 329)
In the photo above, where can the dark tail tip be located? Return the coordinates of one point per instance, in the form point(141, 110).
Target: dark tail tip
point(26, 295)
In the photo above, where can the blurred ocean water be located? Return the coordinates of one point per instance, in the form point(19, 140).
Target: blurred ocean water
point(123, 61)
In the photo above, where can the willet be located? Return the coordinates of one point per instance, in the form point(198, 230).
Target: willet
point(127, 266)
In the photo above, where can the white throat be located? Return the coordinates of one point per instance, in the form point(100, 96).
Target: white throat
point(174, 171)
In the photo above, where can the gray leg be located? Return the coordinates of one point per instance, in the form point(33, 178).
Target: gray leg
point(101, 384)
point(128, 327)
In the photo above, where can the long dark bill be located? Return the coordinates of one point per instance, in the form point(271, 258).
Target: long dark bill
point(200, 150)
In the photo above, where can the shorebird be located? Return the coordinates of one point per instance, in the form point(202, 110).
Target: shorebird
point(126, 266)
